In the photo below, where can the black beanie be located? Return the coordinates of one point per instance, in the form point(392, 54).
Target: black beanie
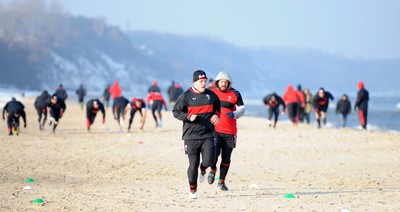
point(199, 74)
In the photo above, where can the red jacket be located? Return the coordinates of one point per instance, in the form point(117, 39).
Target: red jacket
point(115, 90)
point(292, 96)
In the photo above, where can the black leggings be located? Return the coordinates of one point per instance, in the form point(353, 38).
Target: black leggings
point(41, 112)
point(292, 112)
point(193, 148)
point(156, 106)
point(224, 147)
point(133, 111)
point(273, 111)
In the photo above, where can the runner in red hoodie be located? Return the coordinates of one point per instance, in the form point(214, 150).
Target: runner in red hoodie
point(157, 102)
point(362, 104)
point(293, 99)
point(115, 90)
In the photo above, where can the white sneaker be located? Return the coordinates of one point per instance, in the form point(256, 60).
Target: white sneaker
point(193, 195)
point(202, 177)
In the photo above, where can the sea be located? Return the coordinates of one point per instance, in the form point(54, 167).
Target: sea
point(383, 111)
point(383, 114)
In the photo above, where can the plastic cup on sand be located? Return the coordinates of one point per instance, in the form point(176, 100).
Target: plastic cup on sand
point(37, 201)
point(29, 180)
point(290, 196)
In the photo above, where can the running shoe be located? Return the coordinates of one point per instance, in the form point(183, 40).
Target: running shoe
point(202, 176)
point(193, 195)
point(222, 186)
point(211, 177)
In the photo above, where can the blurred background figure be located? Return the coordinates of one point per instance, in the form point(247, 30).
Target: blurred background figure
point(343, 107)
point(81, 92)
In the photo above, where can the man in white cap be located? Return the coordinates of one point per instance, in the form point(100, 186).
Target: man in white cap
point(232, 108)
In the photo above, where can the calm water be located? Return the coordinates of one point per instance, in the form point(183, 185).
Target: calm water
point(383, 114)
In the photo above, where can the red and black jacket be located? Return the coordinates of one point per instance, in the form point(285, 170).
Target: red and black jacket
point(229, 100)
point(204, 105)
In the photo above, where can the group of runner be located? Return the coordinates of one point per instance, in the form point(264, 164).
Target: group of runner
point(208, 114)
point(299, 104)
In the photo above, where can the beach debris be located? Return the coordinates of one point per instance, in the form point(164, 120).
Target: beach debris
point(29, 180)
point(289, 196)
point(253, 186)
point(37, 201)
point(27, 188)
point(140, 142)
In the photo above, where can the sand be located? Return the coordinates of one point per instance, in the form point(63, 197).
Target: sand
point(111, 170)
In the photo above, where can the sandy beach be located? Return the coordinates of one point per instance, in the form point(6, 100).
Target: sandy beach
point(111, 170)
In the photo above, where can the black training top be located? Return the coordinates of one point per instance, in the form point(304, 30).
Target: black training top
point(204, 105)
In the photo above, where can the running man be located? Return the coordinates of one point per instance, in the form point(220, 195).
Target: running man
point(232, 108)
point(157, 102)
point(61, 93)
point(199, 109)
point(272, 102)
point(343, 107)
point(115, 90)
point(106, 96)
point(93, 106)
point(137, 104)
point(57, 108)
point(14, 110)
point(293, 99)
point(120, 107)
point(81, 92)
point(362, 104)
point(41, 107)
point(154, 87)
point(321, 104)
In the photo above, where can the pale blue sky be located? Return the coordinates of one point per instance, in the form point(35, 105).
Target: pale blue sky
point(352, 28)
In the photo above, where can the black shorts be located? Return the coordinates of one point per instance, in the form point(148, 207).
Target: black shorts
point(226, 140)
point(196, 146)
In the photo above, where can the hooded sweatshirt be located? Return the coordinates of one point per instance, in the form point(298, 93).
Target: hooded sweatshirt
point(362, 97)
point(231, 101)
point(292, 96)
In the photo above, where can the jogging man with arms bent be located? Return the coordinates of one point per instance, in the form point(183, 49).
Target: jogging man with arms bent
point(199, 109)
point(232, 108)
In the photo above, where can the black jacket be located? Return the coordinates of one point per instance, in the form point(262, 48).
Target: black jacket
point(204, 105)
point(362, 99)
point(42, 100)
point(343, 106)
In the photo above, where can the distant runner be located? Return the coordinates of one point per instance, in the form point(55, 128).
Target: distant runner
point(41, 107)
point(93, 106)
point(57, 109)
point(272, 102)
point(362, 104)
point(13, 110)
point(137, 104)
point(321, 105)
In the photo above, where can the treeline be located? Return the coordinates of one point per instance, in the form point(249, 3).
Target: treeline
point(32, 30)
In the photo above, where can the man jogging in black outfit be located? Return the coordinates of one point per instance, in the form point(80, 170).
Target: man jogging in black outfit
point(199, 109)
point(41, 107)
point(137, 104)
point(120, 107)
point(14, 110)
point(93, 106)
point(362, 104)
point(57, 108)
point(272, 102)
